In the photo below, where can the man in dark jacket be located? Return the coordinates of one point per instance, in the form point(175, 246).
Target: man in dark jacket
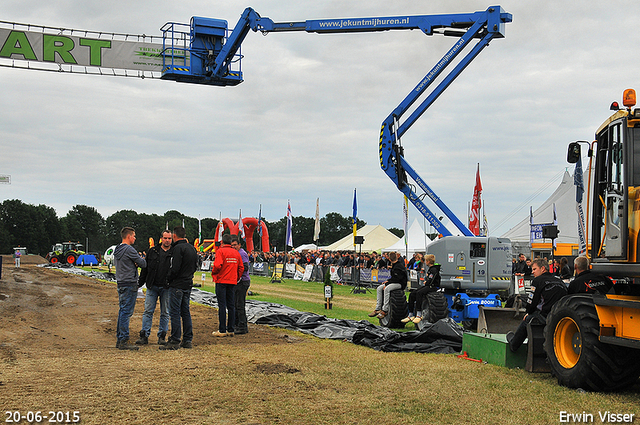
point(398, 280)
point(549, 289)
point(241, 325)
point(155, 277)
point(520, 268)
point(431, 284)
point(127, 262)
point(587, 282)
point(184, 262)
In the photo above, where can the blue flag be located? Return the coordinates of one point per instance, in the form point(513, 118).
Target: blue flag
point(355, 208)
point(578, 180)
point(355, 215)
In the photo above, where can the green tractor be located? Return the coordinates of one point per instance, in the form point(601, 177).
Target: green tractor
point(65, 253)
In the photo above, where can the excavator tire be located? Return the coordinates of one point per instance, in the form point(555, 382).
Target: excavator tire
point(434, 308)
point(577, 357)
point(397, 310)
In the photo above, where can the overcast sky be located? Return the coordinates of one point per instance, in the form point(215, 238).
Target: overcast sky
point(305, 122)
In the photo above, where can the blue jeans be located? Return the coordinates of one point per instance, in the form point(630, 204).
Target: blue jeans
point(226, 303)
point(150, 301)
point(127, 302)
point(179, 309)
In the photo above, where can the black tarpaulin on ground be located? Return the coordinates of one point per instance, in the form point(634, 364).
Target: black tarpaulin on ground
point(444, 336)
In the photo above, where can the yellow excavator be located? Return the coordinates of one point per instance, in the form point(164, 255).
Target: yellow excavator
point(592, 341)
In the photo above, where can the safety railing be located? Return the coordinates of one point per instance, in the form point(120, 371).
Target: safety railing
point(339, 274)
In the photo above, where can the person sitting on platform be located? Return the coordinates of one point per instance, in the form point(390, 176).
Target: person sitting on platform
point(549, 289)
point(398, 280)
point(431, 284)
point(587, 282)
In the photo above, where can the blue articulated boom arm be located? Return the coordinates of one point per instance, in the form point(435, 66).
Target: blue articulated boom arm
point(486, 26)
point(250, 19)
point(481, 27)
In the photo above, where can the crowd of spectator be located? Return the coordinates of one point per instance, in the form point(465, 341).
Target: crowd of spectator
point(372, 260)
point(521, 266)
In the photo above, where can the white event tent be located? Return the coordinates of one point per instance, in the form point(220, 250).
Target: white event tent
point(306, 247)
point(375, 238)
point(417, 241)
point(564, 198)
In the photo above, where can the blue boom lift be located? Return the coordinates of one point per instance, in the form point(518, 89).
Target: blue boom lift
point(204, 52)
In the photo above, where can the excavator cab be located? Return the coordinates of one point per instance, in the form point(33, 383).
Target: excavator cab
point(615, 191)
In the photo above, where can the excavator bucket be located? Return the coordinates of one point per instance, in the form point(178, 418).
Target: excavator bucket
point(498, 320)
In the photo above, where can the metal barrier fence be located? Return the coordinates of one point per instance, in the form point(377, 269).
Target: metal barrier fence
point(315, 273)
point(348, 275)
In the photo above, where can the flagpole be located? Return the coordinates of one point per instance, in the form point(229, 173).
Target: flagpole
point(530, 227)
point(286, 232)
point(288, 237)
point(424, 223)
point(405, 218)
point(476, 205)
point(355, 215)
point(260, 226)
point(316, 226)
point(484, 229)
point(220, 229)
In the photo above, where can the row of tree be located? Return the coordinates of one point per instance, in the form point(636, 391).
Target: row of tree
point(37, 227)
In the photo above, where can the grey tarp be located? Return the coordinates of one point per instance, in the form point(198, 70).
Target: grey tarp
point(444, 336)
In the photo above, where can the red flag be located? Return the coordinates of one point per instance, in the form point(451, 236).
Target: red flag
point(476, 204)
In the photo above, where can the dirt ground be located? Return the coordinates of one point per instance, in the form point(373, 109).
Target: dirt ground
point(55, 327)
point(43, 307)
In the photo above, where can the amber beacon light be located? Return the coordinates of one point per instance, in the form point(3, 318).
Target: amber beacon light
point(629, 98)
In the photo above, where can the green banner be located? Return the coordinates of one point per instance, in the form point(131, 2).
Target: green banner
point(63, 49)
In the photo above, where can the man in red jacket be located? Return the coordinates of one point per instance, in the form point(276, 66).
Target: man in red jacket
point(228, 268)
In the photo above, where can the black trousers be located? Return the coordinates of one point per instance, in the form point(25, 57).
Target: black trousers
point(241, 325)
point(521, 333)
point(416, 297)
